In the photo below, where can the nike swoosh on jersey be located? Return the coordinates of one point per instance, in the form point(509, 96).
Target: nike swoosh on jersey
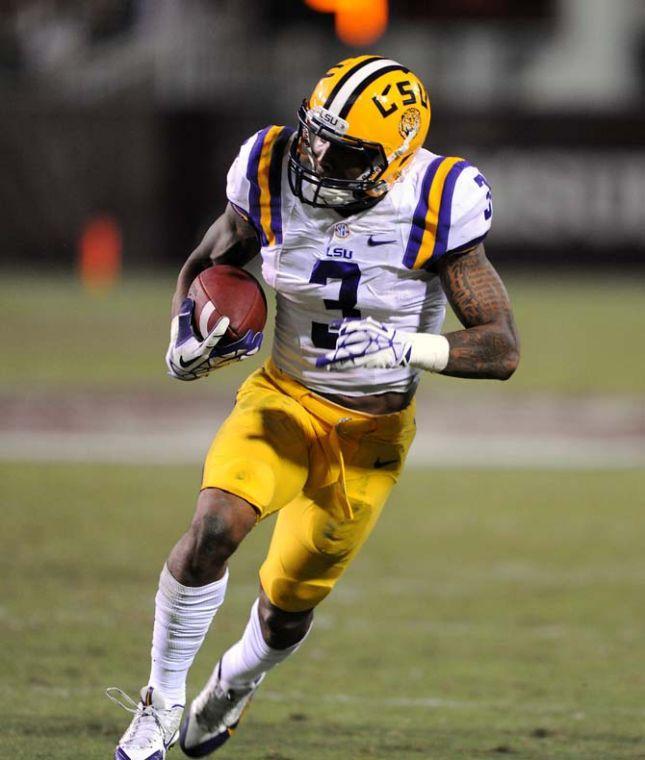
point(371, 242)
point(380, 463)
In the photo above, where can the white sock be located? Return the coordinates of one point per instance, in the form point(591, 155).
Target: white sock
point(247, 660)
point(183, 615)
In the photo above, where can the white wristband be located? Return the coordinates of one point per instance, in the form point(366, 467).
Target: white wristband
point(428, 351)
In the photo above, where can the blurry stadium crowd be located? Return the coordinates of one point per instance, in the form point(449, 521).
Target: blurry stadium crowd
point(136, 107)
point(537, 54)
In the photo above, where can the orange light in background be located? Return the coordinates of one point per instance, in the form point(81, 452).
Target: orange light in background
point(358, 22)
point(361, 22)
point(322, 6)
point(100, 250)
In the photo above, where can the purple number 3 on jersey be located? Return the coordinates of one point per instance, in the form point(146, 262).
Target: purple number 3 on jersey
point(481, 181)
point(349, 275)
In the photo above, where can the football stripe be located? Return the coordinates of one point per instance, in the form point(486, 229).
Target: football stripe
point(347, 75)
point(264, 173)
point(443, 224)
point(275, 183)
point(419, 217)
point(431, 219)
point(254, 187)
point(355, 78)
point(263, 182)
point(344, 111)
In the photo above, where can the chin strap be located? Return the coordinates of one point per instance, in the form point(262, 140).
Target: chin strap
point(405, 146)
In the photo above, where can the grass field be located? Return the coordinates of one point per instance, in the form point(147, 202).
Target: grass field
point(493, 612)
point(578, 336)
point(501, 614)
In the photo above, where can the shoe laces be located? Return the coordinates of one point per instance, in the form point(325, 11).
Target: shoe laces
point(146, 724)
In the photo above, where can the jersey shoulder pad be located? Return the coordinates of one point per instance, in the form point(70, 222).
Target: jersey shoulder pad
point(254, 182)
point(452, 212)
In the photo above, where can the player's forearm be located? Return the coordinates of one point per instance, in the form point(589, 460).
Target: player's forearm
point(187, 274)
point(488, 347)
point(485, 352)
point(229, 240)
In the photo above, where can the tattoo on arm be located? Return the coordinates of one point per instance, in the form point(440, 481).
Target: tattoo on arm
point(488, 347)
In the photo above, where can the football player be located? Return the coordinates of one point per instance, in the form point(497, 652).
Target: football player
point(364, 235)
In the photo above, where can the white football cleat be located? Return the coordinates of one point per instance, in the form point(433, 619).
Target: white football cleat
point(213, 715)
point(154, 728)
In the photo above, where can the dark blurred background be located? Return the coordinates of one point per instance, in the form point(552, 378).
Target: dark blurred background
point(135, 109)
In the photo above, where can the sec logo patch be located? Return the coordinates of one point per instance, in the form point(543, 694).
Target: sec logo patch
point(341, 230)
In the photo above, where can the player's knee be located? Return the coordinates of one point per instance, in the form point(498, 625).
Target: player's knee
point(282, 629)
point(220, 523)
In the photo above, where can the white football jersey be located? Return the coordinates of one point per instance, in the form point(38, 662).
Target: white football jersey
point(376, 263)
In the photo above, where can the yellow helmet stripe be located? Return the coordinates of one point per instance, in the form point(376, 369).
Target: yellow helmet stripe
point(424, 241)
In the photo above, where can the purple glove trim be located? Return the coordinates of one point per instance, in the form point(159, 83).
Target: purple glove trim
point(249, 342)
point(185, 322)
point(323, 361)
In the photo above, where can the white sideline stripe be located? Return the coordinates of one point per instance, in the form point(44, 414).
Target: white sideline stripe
point(424, 703)
point(189, 446)
point(520, 451)
point(303, 700)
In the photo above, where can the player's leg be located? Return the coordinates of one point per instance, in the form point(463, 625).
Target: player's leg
point(271, 635)
point(315, 540)
point(192, 587)
point(312, 544)
point(257, 462)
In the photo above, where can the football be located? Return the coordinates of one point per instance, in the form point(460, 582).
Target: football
point(228, 291)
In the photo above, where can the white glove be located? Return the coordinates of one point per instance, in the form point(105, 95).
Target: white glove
point(189, 358)
point(374, 345)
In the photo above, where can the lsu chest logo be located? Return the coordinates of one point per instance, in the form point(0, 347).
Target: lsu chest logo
point(338, 252)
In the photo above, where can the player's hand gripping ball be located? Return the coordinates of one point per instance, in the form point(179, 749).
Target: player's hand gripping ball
point(219, 322)
point(367, 343)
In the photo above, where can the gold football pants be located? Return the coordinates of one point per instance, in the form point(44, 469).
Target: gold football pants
point(327, 469)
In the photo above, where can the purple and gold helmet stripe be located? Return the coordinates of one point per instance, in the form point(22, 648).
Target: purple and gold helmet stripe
point(431, 220)
point(264, 173)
